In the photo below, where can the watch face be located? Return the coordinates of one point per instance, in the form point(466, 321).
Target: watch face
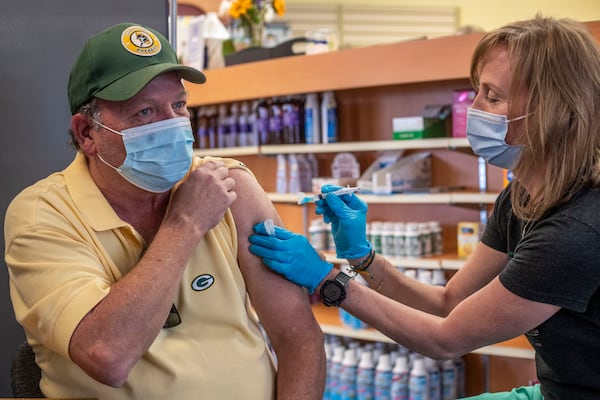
point(332, 291)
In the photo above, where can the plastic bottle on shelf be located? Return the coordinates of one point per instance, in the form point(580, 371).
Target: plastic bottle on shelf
point(211, 126)
point(202, 130)
point(222, 126)
point(365, 376)
point(376, 228)
point(314, 166)
point(294, 175)
point(424, 276)
point(413, 244)
point(276, 122)
point(348, 375)
point(328, 356)
point(262, 121)
point(287, 115)
point(252, 123)
point(387, 239)
point(425, 239)
point(438, 278)
point(383, 378)
point(399, 387)
point(281, 185)
point(298, 120)
point(448, 380)
point(418, 384)
point(336, 369)
point(329, 118)
point(459, 363)
point(437, 242)
point(233, 139)
point(400, 239)
point(244, 128)
point(312, 121)
point(306, 173)
point(435, 379)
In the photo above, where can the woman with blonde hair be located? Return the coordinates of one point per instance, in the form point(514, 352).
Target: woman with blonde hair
point(537, 269)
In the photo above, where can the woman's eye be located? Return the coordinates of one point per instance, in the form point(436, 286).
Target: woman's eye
point(179, 105)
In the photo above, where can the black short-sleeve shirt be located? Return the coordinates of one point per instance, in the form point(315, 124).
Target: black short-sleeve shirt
point(556, 260)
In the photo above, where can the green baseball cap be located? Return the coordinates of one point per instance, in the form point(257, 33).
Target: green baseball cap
point(118, 62)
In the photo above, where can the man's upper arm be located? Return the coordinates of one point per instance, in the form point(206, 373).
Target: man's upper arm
point(279, 303)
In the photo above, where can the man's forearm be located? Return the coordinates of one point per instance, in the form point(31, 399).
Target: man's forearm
point(301, 371)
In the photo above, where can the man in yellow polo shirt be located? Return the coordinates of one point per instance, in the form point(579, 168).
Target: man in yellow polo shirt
point(130, 270)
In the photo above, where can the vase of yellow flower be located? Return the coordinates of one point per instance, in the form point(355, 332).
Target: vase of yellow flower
point(252, 16)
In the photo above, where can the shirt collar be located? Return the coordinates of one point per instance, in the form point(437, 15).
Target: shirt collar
point(88, 198)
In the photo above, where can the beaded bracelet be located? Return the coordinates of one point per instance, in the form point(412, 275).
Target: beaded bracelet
point(363, 266)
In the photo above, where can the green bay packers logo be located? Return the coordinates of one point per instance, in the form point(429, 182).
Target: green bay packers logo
point(202, 282)
point(140, 41)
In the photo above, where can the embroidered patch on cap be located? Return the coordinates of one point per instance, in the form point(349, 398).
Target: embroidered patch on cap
point(140, 41)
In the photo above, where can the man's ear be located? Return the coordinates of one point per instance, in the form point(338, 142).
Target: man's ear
point(81, 127)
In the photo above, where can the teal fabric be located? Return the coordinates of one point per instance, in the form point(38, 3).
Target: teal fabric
point(521, 393)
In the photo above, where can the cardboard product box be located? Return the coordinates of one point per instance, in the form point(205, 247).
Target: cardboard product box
point(365, 181)
point(468, 234)
point(432, 123)
point(405, 174)
point(461, 100)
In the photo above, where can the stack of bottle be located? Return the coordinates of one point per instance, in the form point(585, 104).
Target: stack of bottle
point(382, 371)
point(295, 172)
point(320, 236)
point(406, 239)
point(390, 239)
point(281, 120)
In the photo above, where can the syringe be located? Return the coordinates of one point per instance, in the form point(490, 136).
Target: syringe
point(303, 198)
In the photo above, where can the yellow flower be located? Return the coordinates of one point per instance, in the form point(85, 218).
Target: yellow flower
point(240, 7)
point(255, 10)
point(279, 6)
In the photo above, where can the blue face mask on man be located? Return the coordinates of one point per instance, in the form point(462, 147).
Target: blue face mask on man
point(486, 133)
point(159, 154)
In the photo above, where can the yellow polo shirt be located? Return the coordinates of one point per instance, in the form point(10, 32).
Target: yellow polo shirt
point(65, 247)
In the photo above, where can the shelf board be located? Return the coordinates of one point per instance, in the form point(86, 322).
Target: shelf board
point(413, 198)
point(376, 145)
point(363, 146)
point(328, 318)
point(451, 263)
point(228, 151)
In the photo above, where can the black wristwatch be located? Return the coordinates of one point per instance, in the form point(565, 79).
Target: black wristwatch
point(333, 292)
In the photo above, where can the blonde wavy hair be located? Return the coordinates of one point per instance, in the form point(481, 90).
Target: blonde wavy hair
point(556, 62)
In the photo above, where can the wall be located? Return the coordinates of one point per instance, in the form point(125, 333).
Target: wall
point(40, 40)
point(487, 15)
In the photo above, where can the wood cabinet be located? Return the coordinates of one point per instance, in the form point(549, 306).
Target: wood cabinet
point(372, 86)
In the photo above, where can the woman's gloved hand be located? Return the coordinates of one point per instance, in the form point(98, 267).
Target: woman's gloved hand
point(348, 217)
point(291, 255)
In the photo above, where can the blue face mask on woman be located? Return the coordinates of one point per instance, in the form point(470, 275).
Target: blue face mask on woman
point(486, 133)
point(158, 154)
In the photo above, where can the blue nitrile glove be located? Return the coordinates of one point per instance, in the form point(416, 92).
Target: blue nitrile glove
point(291, 255)
point(348, 217)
